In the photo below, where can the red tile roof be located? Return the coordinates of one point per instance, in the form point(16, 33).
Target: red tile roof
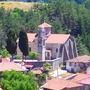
point(82, 59)
point(59, 84)
point(79, 77)
point(53, 38)
point(72, 84)
point(44, 25)
point(57, 38)
point(31, 36)
point(85, 81)
point(55, 84)
point(6, 65)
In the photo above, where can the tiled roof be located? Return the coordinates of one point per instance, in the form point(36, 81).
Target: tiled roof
point(72, 84)
point(79, 77)
point(59, 84)
point(85, 81)
point(6, 65)
point(31, 36)
point(57, 38)
point(83, 59)
point(55, 84)
point(44, 25)
point(53, 38)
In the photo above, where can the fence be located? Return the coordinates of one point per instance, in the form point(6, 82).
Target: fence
point(38, 63)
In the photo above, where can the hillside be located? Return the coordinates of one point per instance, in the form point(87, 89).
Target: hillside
point(20, 5)
point(65, 16)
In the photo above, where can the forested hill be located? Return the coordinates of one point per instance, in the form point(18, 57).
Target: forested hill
point(86, 3)
point(65, 16)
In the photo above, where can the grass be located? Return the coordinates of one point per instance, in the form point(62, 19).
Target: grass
point(11, 5)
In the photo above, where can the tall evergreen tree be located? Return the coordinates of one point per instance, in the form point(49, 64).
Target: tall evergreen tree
point(11, 46)
point(23, 42)
point(3, 38)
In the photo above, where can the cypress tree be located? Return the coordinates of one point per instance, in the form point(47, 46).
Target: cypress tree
point(11, 46)
point(23, 42)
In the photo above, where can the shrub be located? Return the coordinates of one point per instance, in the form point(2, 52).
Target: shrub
point(12, 80)
point(18, 57)
point(41, 79)
point(47, 66)
point(4, 53)
point(33, 55)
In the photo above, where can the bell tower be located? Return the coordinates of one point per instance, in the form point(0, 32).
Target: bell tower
point(44, 31)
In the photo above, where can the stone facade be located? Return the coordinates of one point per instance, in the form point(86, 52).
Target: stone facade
point(52, 46)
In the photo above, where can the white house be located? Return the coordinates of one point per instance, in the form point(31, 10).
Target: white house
point(79, 64)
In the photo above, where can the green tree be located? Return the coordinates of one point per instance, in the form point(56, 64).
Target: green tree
point(12, 80)
point(87, 4)
point(4, 53)
point(66, 16)
point(11, 47)
point(46, 68)
point(33, 55)
point(82, 49)
point(23, 42)
point(3, 37)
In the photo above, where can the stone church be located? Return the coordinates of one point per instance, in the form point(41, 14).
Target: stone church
point(51, 46)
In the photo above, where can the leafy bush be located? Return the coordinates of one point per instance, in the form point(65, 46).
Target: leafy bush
point(4, 53)
point(41, 79)
point(18, 57)
point(33, 55)
point(20, 81)
point(47, 66)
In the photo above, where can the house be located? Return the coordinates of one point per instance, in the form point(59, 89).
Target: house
point(61, 84)
point(79, 81)
point(83, 79)
point(78, 64)
point(51, 46)
point(6, 65)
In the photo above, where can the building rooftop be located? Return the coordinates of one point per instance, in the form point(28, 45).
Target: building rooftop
point(6, 65)
point(44, 25)
point(31, 36)
point(85, 81)
point(60, 84)
point(81, 78)
point(81, 59)
point(57, 38)
point(53, 38)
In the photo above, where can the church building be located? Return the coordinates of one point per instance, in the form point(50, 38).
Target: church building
point(52, 46)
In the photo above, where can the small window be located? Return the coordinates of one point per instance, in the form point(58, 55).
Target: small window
point(75, 64)
point(70, 64)
point(49, 49)
point(29, 48)
point(56, 50)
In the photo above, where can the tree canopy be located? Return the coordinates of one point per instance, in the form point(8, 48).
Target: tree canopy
point(66, 16)
point(12, 80)
point(23, 42)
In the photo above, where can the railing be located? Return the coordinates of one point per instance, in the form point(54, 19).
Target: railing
point(39, 63)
